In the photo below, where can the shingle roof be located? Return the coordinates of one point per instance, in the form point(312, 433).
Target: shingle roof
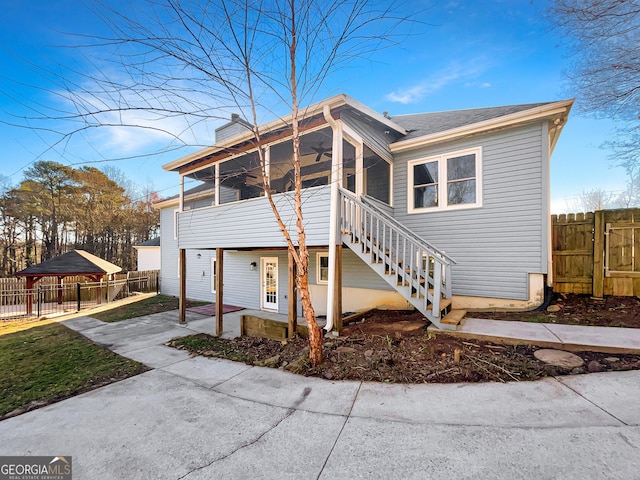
point(203, 187)
point(152, 242)
point(421, 124)
point(76, 262)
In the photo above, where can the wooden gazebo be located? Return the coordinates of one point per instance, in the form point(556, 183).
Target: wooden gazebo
point(74, 263)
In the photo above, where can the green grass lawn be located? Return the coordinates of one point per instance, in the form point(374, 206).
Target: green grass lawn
point(48, 363)
point(155, 304)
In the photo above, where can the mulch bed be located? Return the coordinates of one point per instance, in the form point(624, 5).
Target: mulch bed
point(578, 310)
point(395, 347)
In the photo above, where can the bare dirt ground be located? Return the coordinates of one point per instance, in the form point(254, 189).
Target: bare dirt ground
point(579, 310)
point(387, 346)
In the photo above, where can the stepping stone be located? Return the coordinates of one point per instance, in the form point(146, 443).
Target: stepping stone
point(558, 358)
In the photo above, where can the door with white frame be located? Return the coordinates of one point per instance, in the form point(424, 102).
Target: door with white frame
point(269, 279)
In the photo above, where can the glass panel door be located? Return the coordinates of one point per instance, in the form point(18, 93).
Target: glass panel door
point(269, 274)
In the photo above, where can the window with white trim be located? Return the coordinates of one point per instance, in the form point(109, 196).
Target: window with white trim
point(322, 270)
point(447, 181)
point(175, 223)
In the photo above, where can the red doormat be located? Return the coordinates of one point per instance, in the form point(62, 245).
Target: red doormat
point(211, 309)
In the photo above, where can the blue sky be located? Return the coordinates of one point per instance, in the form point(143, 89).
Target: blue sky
point(466, 54)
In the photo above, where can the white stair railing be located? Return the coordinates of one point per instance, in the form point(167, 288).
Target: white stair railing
point(423, 272)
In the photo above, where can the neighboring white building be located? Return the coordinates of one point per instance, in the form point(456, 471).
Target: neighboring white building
point(148, 254)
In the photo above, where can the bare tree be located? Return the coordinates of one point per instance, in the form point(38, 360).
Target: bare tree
point(605, 71)
point(605, 35)
point(192, 61)
point(591, 200)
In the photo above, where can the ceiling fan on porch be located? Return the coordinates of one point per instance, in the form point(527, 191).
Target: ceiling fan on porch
point(320, 151)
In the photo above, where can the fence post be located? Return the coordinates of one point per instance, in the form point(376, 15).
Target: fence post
point(598, 255)
point(157, 283)
point(39, 299)
point(107, 299)
point(78, 292)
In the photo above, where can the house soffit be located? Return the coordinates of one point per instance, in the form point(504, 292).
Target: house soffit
point(251, 145)
point(276, 130)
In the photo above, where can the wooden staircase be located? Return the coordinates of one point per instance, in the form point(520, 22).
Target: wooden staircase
point(413, 267)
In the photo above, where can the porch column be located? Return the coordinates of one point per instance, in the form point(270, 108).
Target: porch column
point(337, 290)
point(219, 284)
point(99, 290)
point(336, 181)
point(293, 298)
point(30, 283)
point(182, 305)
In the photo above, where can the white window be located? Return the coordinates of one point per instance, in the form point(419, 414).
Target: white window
point(451, 180)
point(322, 270)
point(175, 224)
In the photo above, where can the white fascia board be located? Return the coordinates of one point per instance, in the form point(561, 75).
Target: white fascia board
point(557, 108)
point(166, 203)
point(310, 111)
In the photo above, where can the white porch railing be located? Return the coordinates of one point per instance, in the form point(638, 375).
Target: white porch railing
point(413, 267)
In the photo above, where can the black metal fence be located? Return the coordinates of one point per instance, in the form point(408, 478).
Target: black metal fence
point(48, 300)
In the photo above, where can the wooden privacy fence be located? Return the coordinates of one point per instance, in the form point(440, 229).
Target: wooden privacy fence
point(597, 253)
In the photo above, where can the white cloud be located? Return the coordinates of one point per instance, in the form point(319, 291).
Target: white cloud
point(455, 71)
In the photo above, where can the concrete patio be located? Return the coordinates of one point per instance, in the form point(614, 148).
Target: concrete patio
point(197, 418)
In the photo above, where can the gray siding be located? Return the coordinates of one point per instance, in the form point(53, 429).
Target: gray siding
point(375, 138)
point(242, 286)
point(251, 223)
point(497, 245)
point(168, 254)
point(199, 275)
point(355, 273)
point(198, 285)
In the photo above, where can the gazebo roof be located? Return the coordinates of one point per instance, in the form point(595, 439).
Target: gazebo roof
point(76, 262)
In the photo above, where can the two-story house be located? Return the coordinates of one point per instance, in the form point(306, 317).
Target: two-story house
point(428, 210)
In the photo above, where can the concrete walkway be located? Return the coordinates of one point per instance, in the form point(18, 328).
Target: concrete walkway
point(200, 418)
point(552, 335)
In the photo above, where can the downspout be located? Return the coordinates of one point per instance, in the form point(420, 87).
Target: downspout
point(181, 201)
point(333, 215)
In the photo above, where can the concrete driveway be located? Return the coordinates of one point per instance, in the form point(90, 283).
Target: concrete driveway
point(198, 418)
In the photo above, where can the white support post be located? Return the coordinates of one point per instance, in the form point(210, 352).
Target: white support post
point(267, 164)
point(181, 207)
point(216, 199)
point(336, 181)
point(360, 173)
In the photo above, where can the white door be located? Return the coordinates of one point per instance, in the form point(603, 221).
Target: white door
point(269, 276)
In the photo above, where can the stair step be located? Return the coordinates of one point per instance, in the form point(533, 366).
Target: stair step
point(453, 317)
point(445, 303)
